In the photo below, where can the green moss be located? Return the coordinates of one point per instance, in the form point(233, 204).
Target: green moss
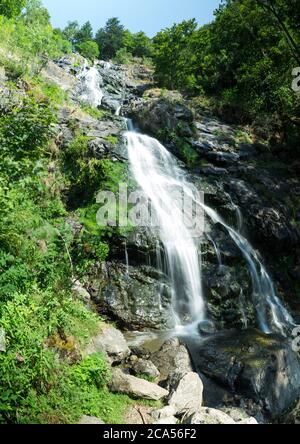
point(112, 139)
point(93, 112)
point(146, 377)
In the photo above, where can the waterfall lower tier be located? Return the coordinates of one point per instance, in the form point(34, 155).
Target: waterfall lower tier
point(158, 174)
point(163, 183)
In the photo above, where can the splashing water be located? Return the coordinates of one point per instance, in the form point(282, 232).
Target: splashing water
point(157, 173)
point(91, 91)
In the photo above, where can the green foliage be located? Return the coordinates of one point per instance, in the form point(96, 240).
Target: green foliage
point(175, 57)
point(27, 42)
point(146, 377)
point(123, 57)
point(84, 34)
point(116, 42)
point(139, 44)
point(92, 111)
point(86, 173)
point(110, 38)
point(88, 49)
point(243, 59)
point(11, 8)
point(92, 370)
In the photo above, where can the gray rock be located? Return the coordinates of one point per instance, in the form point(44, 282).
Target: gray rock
point(2, 340)
point(239, 415)
point(187, 394)
point(90, 420)
point(209, 416)
point(55, 74)
point(168, 420)
point(171, 357)
point(137, 297)
point(260, 367)
point(135, 387)
point(166, 412)
point(80, 292)
point(111, 342)
point(145, 367)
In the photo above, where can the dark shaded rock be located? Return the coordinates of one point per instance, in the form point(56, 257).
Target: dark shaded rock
point(267, 223)
point(164, 113)
point(261, 367)
point(137, 298)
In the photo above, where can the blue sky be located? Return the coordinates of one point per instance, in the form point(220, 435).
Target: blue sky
point(146, 15)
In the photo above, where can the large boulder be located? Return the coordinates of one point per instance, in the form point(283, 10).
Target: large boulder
point(187, 394)
point(136, 387)
point(112, 343)
point(260, 367)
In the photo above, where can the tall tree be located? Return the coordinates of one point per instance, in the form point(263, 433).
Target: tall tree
point(85, 33)
point(174, 56)
point(110, 38)
point(70, 32)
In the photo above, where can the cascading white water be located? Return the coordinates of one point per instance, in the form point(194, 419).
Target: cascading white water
point(271, 313)
point(91, 91)
point(157, 173)
point(216, 248)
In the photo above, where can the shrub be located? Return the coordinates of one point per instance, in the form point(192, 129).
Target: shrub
point(89, 50)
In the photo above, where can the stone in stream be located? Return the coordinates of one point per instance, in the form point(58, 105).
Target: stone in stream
point(206, 328)
point(260, 367)
point(136, 387)
point(163, 413)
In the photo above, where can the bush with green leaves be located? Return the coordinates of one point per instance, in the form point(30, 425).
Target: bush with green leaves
point(88, 49)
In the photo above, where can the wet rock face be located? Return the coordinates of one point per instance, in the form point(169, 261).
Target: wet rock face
point(269, 224)
point(260, 367)
point(137, 298)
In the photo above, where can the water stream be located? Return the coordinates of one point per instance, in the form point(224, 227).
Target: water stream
point(91, 92)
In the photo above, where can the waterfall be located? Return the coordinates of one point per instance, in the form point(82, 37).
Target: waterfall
point(158, 175)
point(91, 80)
point(157, 172)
